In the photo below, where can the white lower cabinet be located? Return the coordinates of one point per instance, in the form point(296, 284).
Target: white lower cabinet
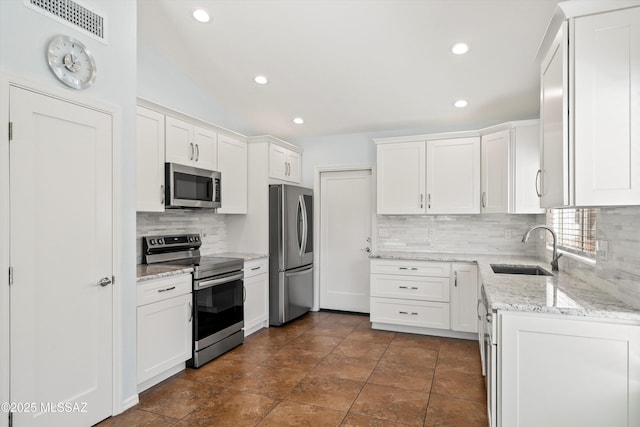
point(256, 303)
point(424, 297)
point(558, 371)
point(164, 327)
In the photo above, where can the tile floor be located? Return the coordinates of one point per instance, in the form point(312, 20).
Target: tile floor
point(324, 369)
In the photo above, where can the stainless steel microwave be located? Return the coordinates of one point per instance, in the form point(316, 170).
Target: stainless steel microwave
point(191, 187)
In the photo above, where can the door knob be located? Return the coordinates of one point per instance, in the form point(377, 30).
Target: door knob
point(104, 282)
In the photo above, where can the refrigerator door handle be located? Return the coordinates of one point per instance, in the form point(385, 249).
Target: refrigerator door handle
point(299, 272)
point(305, 226)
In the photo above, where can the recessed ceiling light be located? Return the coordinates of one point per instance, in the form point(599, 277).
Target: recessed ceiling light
point(298, 120)
point(460, 48)
point(461, 103)
point(201, 15)
point(261, 80)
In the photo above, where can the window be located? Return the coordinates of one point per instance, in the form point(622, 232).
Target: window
point(576, 230)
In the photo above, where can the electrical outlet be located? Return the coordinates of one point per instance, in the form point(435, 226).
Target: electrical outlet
point(507, 233)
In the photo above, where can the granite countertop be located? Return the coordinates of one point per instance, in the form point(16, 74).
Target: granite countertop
point(156, 271)
point(243, 255)
point(561, 293)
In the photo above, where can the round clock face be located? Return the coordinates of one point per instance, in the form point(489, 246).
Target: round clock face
point(71, 62)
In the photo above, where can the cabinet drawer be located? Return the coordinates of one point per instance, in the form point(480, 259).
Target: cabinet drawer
point(162, 289)
point(410, 287)
point(410, 313)
point(411, 268)
point(255, 267)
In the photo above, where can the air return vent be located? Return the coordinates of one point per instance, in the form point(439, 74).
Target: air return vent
point(73, 15)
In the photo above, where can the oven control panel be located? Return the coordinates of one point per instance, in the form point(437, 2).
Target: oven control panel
point(173, 242)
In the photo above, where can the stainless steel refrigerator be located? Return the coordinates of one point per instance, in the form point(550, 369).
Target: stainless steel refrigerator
point(290, 252)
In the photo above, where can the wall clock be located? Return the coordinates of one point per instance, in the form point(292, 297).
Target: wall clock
point(71, 62)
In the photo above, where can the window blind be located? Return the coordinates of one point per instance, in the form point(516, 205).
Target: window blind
point(576, 230)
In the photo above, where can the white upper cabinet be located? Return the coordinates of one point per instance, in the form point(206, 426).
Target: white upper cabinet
point(590, 74)
point(607, 108)
point(232, 164)
point(284, 164)
point(190, 145)
point(453, 176)
point(495, 172)
point(149, 160)
point(401, 179)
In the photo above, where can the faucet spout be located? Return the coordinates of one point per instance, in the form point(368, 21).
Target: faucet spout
point(555, 256)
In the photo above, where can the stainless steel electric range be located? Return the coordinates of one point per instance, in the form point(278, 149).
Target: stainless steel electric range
point(218, 293)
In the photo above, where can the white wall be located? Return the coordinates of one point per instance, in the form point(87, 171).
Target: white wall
point(24, 37)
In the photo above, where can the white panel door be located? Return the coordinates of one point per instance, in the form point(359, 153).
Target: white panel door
point(401, 178)
point(607, 108)
point(453, 176)
point(278, 168)
point(150, 160)
point(464, 298)
point(526, 157)
point(232, 164)
point(495, 172)
point(205, 142)
point(61, 247)
point(179, 147)
point(345, 231)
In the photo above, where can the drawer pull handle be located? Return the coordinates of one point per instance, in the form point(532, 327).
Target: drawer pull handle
point(408, 287)
point(255, 268)
point(407, 268)
point(167, 289)
point(406, 312)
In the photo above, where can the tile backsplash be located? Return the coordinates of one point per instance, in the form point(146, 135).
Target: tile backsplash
point(476, 234)
point(618, 273)
point(212, 228)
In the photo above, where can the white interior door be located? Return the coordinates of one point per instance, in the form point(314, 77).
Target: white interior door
point(345, 231)
point(60, 248)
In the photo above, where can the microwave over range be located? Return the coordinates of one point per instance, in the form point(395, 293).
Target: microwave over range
point(191, 187)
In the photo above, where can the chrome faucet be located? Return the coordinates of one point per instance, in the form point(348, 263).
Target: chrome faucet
point(554, 261)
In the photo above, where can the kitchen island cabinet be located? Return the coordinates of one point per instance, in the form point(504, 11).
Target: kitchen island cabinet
point(256, 303)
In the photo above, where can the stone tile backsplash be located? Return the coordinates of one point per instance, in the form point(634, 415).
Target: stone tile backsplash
point(474, 234)
point(212, 228)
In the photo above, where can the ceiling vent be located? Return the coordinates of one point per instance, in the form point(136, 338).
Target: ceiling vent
point(73, 15)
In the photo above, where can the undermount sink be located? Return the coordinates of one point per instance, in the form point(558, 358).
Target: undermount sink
point(530, 270)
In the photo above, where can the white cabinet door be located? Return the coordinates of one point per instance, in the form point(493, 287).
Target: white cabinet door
point(607, 108)
point(277, 162)
point(526, 158)
point(453, 176)
point(558, 372)
point(164, 335)
point(495, 172)
point(179, 147)
point(554, 120)
point(232, 164)
point(464, 298)
point(401, 178)
point(293, 160)
point(149, 160)
point(256, 312)
point(205, 143)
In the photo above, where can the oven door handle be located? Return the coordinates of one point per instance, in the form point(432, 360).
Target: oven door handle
point(209, 283)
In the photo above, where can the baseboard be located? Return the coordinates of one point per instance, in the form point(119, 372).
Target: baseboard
point(130, 402)
point(447, 333)
point(161, 377)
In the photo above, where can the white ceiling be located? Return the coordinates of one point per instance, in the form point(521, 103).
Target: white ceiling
point(356, 65)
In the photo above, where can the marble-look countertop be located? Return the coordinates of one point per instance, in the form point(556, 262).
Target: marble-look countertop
point(561, 293)
point(243, 255)
point(156, 271)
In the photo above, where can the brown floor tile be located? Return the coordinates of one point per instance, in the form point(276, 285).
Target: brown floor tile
point(137, 418)
point(395, 373)
point(392, 404)
point(231, 408)
point(449, 412)
point(459, 385)
point(411, 356)
point(419, 341)
point(176, 397)
point(347, 319)
point(252, 352)
point(372, 335)
point(295, 414)
point(358, 420)
point(331, 329)
point(316, 343)
point(219, 372)
point(352, 368)
point(328, 392)
point(293, 358)
point(460, 355)
point(271, 382)
point(360, 348)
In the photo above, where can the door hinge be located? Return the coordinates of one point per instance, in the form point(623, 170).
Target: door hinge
point(10, 276)
point(10, 131)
